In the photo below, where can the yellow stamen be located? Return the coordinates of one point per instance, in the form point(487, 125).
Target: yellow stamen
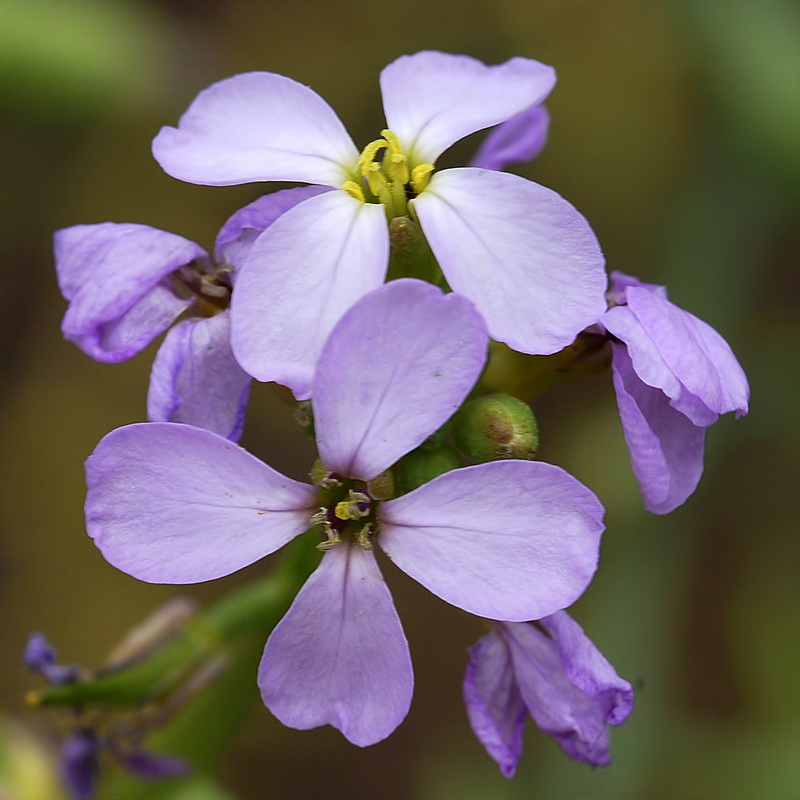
point(420, 176)
point(354, 190)
point(375, 178)
point(368, 155)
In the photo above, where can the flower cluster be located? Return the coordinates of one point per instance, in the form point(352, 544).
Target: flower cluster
point(297, 293)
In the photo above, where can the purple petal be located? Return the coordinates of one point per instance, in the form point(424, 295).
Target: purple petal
point(394, 370)
point(171, 503)
point(257, 127)
point(240, 231)
point(195, 378)
point(40, 657)
point(517, 140)
point(339, 657)
point(494, 705)
point(511, 540)
point(80, 764)
point(666, 448)
point(111, 275)
point(302, 274)
point(571, 691)
point(620, 283)
point(432, 100)
point(526, 258)
point(152, 766)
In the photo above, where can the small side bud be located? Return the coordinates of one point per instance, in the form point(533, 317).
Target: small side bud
point(494, 427)
point(423, 465)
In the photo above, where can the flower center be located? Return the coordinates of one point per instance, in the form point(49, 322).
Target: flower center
point(390, 179)
point(348, 507)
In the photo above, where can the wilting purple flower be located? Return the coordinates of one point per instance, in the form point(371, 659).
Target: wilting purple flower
point(506, 540)
point(673, 375)
point(127, 283)
point(556, 675)
point(517, 140)
point(522, 254)
point(82, 748)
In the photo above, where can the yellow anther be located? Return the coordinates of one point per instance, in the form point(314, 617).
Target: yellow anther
point(368, 155)
point(392, 141)
point(397, 168)
point(420, 176)
point(354, 190)
point(375, 178)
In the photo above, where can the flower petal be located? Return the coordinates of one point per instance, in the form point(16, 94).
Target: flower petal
point(195, 378)
point(339, 657)
point(432, 99)
point(680, 354)
point(510, 540)
point(79, 764)
point(494, 705)
point(666, 448)
point(257, 127)
point(526, 258)
point(571, 691)
point(395, 368)
point(111, 273)
point(515, 141)
point(170, 503)
point(301, 275)
point(243, 227)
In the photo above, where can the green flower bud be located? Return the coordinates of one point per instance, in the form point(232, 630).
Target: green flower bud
point(495, 426)
point(424, 464)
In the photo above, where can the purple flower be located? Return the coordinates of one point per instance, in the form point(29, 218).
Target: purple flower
point(673, 375)
point(522, 254)
point(552, 672)
point(505, 540)
point(127, 283)
point(82, 748)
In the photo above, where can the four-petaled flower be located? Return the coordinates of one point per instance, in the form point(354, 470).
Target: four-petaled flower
point(553, 673)
point(673, 375)
point(126, 283)
point(510, 540)
point(526, 258)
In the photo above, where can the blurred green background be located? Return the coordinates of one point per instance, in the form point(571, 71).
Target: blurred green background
point(675, 130)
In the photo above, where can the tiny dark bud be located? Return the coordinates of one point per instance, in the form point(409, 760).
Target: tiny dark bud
point(494, 427)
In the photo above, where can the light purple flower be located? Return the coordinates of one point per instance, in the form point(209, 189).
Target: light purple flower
point(506, 540)
point(521, 253)
point(127, 283)
point(673, 375)
point(553, 673)
point(517, 140)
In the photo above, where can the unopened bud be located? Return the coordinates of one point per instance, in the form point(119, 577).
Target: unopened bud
point(424, 464)
point(494, 427)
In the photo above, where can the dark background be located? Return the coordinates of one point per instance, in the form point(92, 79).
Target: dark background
point(675, 131)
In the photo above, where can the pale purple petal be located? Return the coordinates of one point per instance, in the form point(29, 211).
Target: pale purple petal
point(195, 378)
point(240, 231)
point(302, 274)
point(395, 368)
point(257, 127)
point(339, 657)
point(511, 540)
point(111, 274)
point(666, 448)
point(680, 354)
point(526, 258)
point(171, 503)
point(432, 99)
point(571, 691)
point(494, 705)
point(517, 140)
point(620, 283)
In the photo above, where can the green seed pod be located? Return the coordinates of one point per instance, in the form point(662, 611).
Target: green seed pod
point(424, 464)
point(494, 427)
